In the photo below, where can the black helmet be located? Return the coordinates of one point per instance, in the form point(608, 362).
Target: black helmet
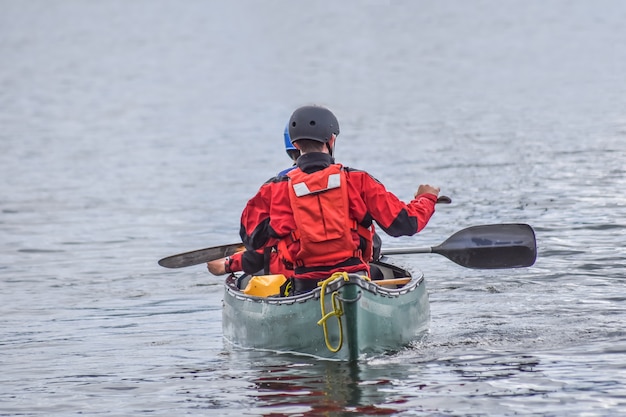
point(313, 122)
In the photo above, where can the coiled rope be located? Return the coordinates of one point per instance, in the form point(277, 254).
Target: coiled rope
point(337, 310)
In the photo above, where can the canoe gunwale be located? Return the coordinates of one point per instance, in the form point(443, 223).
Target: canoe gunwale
point(372, 287)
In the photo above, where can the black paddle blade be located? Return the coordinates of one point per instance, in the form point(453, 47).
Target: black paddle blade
point(491, 246)
point(201, 256)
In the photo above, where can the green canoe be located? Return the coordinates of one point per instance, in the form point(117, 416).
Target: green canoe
point(346, 319)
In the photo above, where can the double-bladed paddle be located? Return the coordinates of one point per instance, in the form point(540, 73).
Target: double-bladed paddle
point(492, 246)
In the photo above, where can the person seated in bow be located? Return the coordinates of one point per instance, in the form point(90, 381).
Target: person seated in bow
point(271, 261)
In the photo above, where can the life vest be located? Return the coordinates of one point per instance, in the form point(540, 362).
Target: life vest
point(324, 229)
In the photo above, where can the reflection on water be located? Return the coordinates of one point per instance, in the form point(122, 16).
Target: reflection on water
point(328, 387)
point(285, 385)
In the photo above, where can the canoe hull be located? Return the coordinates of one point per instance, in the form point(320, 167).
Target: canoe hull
point(365, 318)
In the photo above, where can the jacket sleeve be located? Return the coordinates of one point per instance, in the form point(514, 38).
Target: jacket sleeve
point(255, 231)
point(395, 217)
point(250, 262)
point(255, 220)
point(235, 262)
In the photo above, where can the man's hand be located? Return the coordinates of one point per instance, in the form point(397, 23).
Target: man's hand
point(427, 189)
point(217, 267)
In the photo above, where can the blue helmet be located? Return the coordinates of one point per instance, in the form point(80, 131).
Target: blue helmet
point(292, 151)
point(288, 145)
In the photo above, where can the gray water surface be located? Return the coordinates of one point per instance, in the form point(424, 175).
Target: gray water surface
point(130, 131)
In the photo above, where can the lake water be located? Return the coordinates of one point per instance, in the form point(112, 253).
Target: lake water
point(130, 131)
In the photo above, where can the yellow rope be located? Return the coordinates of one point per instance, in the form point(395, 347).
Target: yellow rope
point(337, 309)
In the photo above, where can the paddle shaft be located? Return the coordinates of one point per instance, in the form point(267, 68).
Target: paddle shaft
point(405, 251)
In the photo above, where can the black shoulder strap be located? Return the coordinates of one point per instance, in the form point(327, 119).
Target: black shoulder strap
point(266, 260)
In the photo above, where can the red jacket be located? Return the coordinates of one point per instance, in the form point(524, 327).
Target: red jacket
point(268, 217)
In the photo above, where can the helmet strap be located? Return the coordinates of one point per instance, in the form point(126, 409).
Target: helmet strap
point(331, 148)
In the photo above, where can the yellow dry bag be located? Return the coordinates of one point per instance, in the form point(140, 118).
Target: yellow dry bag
point(265, 285)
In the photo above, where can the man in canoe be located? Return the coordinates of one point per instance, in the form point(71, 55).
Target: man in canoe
point(319, 215)
point(275, 263)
